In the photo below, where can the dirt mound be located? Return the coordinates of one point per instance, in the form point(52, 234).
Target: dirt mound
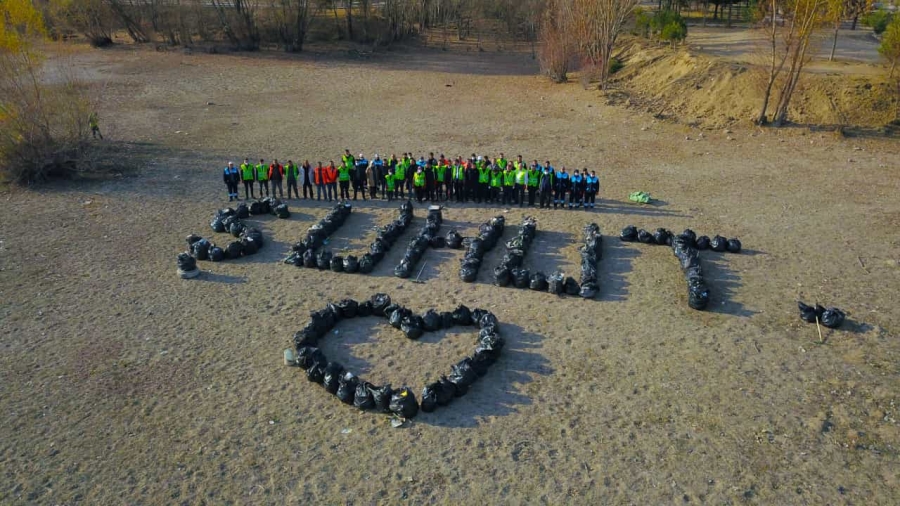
point(705, 91)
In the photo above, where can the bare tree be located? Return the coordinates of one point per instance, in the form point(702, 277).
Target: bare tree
point(239, 23)
point(597, 24)
point(806, 16)
point(292, 19)
point(558, 43)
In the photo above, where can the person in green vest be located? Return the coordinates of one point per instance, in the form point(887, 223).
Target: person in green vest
point(390, 182)
point(440, 176)
point(292, 173)
point(248, 176)
point(419, 184)
point(459, 180)
point(400, 175)
point(502, 162)
point(496, 183)
point(521, 184)
point(262, 177)
point(518, 163)
point(407, 174)
point(484, 178)
point(509, 182)
point(344, 178)
point(534, 177)
point(94, 123)
point(347, 159)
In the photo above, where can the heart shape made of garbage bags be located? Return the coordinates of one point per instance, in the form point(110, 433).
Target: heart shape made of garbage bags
point(351, 389)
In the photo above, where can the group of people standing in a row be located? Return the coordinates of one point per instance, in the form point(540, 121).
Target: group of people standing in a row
point(478, 179)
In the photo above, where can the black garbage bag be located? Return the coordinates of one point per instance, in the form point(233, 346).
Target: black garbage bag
point(487, 320)
point(309, 258)
point(481, 362)
point(364, 309)
point(346, 391)
point(380, 301)
point(689, 236)
point(255, 234)
point(446, 320)
point(351, 264)
point(233, 250)
point(335, 311)
point(412, 327)
point(282, 211)
point(307, 336)
point(454, 240)
point(191, 239)
point(645, 237)
point(225, 212)
point(468, 274)
point(833, 318)
point(348, 308)
point(661, 236)
point(256, 207)
point(718, 243)
point(502, 276)
point(629, 234)
point(248, 246)
point(186, 262)
point(477, 248)
point(462, 316)
point(200, 249)
point(396, 317)
point(323, 260)
point(555, 283)
point(381, 396)
point(362, 398)
point(242, 212)
point(733, 246)
point(588, 274)
point(571, 286)
point(403, 403)
point(337, 263)
point(594, 244)
point(538, 282)
point(216, 254)
point(437, 242)
point(809, 313)
point(521, 277)
point(217, 224)
point(236, 228)
point(403, 269)
point(316, 372)
point(477, 313)
point(463, 376)
point(703, 242)
point(429, 398)
point(431, 320)
point(445, 390)
point(490, 343)
point(265, 206)
point(333, 373)
point(513, 258)
point(309, 355)
point(470, 263)
point(366, 264)
point(589, 290)
point(698, 297)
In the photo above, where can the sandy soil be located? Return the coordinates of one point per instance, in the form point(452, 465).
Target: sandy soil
point(123, 384)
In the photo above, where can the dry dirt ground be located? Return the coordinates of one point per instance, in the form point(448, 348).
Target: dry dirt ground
point(122, 384)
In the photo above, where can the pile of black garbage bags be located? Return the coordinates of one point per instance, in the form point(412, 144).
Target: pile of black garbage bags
point(489, 234)
point(304, 254)
point(247, 240)
point(831, 317)
point(351, 389)
point(663, 237)
point(684, 247)
point(590, 256)
point(428, 237)
point(511, 270)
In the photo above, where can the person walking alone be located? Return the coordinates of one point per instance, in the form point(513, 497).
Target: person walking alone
point(276, 175)
point(293, 173)
point(232, 176)
point(248, 175)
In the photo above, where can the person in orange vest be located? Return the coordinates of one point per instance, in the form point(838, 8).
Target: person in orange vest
point(331, 178)
point(320, 178)
point(276, 175)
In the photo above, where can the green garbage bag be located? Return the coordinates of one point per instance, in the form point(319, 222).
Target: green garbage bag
point(640, 197)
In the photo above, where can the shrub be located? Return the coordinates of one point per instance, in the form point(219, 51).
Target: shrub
point(615, 65)
point(878, 20)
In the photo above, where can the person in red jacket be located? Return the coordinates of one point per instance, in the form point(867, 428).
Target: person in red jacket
point(276, 175)
point(331, 177)
point(320, 178)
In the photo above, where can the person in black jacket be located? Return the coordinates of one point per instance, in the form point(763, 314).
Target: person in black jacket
point(359, 176)
point(306, 178)
point(429, 180)
point(232, 177)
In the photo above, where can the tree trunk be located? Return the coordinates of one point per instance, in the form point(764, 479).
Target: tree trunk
point(349, 5)
point(834, 42)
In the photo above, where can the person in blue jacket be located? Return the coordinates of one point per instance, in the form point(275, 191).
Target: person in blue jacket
point(562, 186)
point(591, 188)
point(232, 177)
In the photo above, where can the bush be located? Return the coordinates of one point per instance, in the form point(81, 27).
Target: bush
point(669, 26)
point(615, 65)
point(642, 21)
point(878, 20)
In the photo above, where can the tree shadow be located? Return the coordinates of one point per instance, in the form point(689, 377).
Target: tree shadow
point(607, 206)
point(612, 268)
point(722, 284)
point(501, 390)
